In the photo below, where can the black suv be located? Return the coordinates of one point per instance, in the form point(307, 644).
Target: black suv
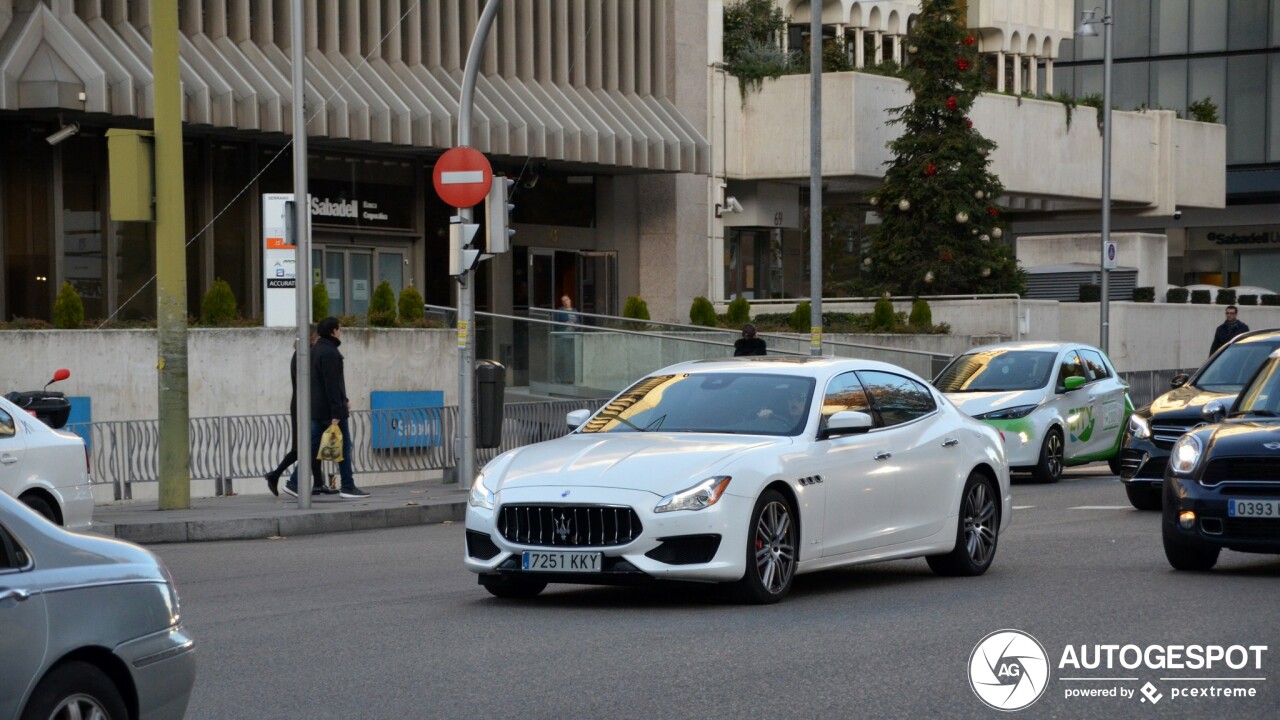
point(1222, 484)
point(1152, 430)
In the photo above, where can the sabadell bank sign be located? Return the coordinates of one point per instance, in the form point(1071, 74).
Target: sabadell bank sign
point(367, 205)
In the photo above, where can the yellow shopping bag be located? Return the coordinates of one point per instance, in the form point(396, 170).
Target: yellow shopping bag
point(331, 445)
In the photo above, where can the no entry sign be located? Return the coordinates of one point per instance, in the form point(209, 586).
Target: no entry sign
point(462, 177)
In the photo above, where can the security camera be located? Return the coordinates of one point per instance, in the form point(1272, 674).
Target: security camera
point(67, 131)
point(732, 205)
point(1177, 214)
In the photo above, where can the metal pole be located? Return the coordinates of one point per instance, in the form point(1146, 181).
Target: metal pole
point(302, 241)
point(171, 262)
point(466, 440)
point(815, 178)
point(1106, 173)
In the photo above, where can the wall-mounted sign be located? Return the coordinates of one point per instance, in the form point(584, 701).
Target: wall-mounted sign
point(366, 205)
point(279, 262)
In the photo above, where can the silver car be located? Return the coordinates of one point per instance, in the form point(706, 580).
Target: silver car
point(89, 626)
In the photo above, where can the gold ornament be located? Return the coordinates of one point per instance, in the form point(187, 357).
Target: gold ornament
point(996, 233)
point(904, 204)
point(986, 272)
point(962, 217)
point(928, 277)
point(985, 237)
point(979, 194)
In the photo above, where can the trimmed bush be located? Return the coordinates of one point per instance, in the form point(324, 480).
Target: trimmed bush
point(382, 308)
point(882, 315)
point(1270, 300)
point(799, 321)
point(1247, 300)
point(218, 308)
point(319, 302)
point(68, 309)
point(411, 307)
point(921, 316)
point(1090, 293)
point(1144, 294)
point(1176, 295)
point(1200, 297)
point(636, 308)
point(702, 312)
point(1225, 297)
point(739, 312)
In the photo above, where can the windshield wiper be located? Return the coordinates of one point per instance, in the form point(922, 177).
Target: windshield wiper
point(657, 423)
point(624, 421)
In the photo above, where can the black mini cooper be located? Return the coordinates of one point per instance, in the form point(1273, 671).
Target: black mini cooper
point(1153, 429)
point(1222, 484)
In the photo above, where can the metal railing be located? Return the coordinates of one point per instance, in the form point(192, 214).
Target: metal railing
point(224, 449)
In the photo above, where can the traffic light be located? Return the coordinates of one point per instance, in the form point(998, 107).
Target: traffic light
point(497, 238)
point(460, 257)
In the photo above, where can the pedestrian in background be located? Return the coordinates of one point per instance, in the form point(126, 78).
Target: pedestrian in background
point(329, 403)
point(1229, 328)
point(273, 478)
point(748, 344)
point(566, 313)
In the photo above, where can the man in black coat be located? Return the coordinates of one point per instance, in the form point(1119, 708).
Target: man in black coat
point(317, 479)
point(1229, 328)
point(329, 404)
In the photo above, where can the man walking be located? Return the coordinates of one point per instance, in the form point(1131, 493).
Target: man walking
point(329, 404)
point(1230, 328)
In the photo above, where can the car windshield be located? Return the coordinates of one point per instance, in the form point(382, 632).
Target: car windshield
point(1230, 369)
point(1262, 397)
point(997, 370)
point(744, 403)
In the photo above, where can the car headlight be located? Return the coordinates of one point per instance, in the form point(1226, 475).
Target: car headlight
point(703, 495)
point(1139, 427)
point(481, 496)
point(1011, 413)
point(1186, 454)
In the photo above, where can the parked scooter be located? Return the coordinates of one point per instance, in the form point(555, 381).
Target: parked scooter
point(51, 408)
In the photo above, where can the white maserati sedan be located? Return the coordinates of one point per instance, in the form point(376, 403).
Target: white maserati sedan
point(745, 471)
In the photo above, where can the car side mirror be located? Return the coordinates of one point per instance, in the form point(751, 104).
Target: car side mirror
point(1178, 381)
point(576, 418)
point(1214, 411)
point(1075, 382)
point(847, 422)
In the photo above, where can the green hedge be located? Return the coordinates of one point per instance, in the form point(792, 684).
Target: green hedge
point(1200, 297)
point(1176, 295)
point(1226, 297)
point(1247, 300)
point(1144, 294)
point(739, 312)
point(1270, 300)
point(219, 306)
point(702, 312)
point(68, 309)
point(1090, 293)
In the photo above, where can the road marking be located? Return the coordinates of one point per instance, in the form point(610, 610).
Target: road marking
point(1102, 507)
point(1023, 507)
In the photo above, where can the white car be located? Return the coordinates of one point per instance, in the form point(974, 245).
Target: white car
point(746, 471)
point(45, 468)
point(1057, 404)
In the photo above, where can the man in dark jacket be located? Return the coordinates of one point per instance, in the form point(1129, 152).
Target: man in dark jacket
point(329, 404)
point(1230, 328)
point(748, 344)
point(317, 479)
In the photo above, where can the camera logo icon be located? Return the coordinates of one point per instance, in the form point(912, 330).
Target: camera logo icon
point(1008, 670)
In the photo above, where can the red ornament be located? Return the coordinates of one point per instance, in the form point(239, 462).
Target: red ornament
point(930, 169)
point(967, 122)
point(993, 212)
point(962, 64)
point(952, 103)
point(968, 40)
point(945, 255)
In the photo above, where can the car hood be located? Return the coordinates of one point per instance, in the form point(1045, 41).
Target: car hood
point(979, 403)
point(1246, 438)
point(1184, 403)
point(659, 463)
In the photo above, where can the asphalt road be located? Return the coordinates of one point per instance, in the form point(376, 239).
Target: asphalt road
point(387, 624)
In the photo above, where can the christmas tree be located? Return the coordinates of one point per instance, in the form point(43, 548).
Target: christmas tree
point(940, 228)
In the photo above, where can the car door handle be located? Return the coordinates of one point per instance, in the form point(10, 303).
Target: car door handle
point(8, 459)
point(14, 594)
point(950, 442)
point(883, 455)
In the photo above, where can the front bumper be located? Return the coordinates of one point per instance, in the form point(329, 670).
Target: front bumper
point(1213, 525)
point(621, 564)
point(1143, 461)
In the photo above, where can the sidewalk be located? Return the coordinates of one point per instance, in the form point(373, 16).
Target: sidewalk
point(255, 516)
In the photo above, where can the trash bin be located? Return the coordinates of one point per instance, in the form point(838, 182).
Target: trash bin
point(51, 408)
point(491, 386)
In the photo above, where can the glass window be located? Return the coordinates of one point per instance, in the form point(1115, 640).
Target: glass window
point(1273, 97)
point(11, 553)
point(1275, 22)
point(1071, 367)
point(1247, 25)
point(845, 392)
point(26, 164)
point(232, 245)
point(1097, 367)
point(997, 371)
point(1208, 25)
point(1131, 87)
point(1209, 80)
point(896, 398)
point(1232, 367)
point(7, 427)
point(1247, 107)
point(1169, 27)
point(1169, 85)
point(1132, 18)
point(83, 193)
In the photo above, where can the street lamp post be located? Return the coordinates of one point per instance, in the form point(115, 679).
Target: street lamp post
point(1089, 19)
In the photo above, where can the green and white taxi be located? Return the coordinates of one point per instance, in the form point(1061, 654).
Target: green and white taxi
point(1057, 404)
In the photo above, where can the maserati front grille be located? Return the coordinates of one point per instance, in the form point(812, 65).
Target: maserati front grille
point(569, 525)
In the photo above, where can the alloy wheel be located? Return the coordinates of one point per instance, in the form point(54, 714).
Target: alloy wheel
point(1055, 454)
point(775, 547)
point(980, 523)
point(79, 707)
